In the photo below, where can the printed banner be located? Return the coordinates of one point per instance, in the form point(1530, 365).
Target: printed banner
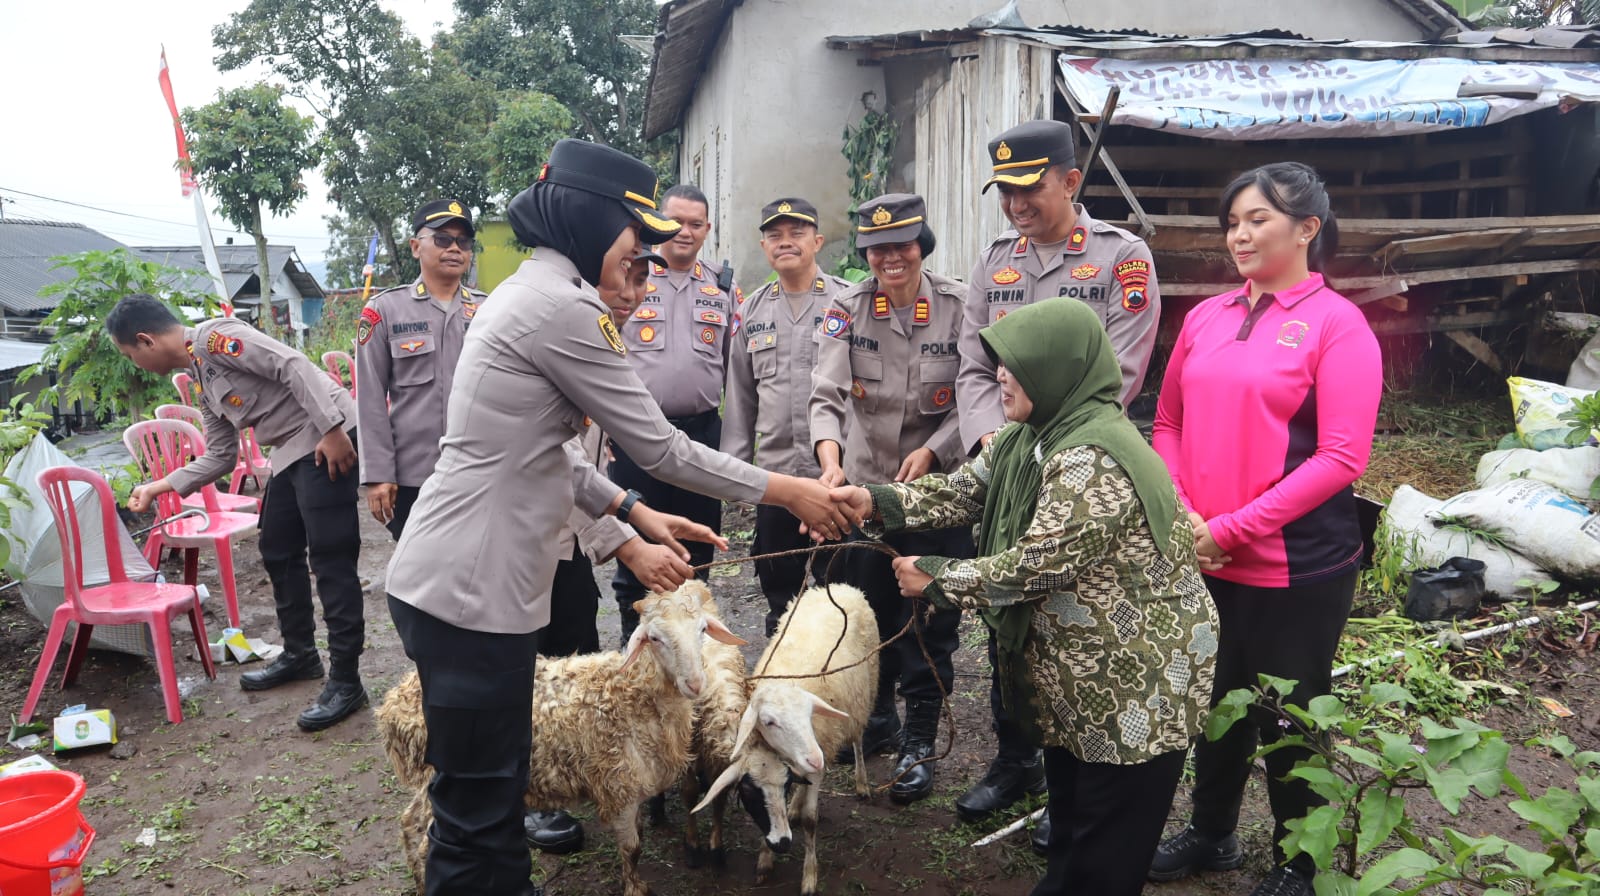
point(1262, 99)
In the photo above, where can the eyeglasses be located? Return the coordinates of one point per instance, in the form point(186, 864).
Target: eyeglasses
point(445, 241)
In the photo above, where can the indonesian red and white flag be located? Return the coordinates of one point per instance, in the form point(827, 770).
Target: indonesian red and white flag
point(185, 175)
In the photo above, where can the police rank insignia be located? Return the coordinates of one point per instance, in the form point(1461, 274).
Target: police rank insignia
point(922, 312)
point(1022, 246)
point(880, 306)
point(1085, 272)
point(657, 269)
point(820, 285)
point(468, 309)
point(1078, 238)
point(710, 290)
point(647, 314)
point(649, 287)
point(711, 317)
point(835, 322)
point(369, 318)
point(1134, 277)
point(218, 344)
point(708, 335)
point(609, 331)
point(1007, 276)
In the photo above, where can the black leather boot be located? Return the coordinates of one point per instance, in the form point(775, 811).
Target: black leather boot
point(916, 743)
point(300, 666)
point(1040, 838)
point(338, 701)
point(1006, 782)
point(553, 832)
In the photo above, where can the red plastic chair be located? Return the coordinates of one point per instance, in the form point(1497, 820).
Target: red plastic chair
point(226, 500)
point(120, 602)
point(337, 363)
point(188, 391)
point(253, 464)
point(161, 447)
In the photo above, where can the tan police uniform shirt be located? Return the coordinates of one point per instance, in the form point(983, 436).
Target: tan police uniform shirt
point(895, 383)
point(542, 353)
point(767, 409)
point(1106, 267)
point(597, 536)
point(406, 361)
point(248, 379)
point(678, 338)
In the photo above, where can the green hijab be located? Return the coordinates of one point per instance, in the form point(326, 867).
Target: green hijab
point(1057, 351)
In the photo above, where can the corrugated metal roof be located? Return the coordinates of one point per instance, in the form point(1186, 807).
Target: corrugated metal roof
point(15, 354)
point(26, 250)
point(238, 263)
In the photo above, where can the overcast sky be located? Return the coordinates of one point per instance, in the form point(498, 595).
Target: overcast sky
point(85, 121)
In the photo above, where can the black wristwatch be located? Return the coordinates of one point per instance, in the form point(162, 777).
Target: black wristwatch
point(626, 507)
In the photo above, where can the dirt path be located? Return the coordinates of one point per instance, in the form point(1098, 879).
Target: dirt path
point(240, 801)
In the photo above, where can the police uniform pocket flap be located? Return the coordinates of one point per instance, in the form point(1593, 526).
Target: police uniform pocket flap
point(940, 371)
point(707, 330)
point(411, 346)
point(231, 403)
point(413, 365)
point(866, 367)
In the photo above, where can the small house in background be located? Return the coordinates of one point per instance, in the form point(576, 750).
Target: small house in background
point(297, 297)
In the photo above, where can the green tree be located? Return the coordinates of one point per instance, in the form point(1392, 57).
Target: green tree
point(347, 254)
point(528, 125)
point(1528, 13)
point(250, 151)
point(568, 49)
point(83, 357)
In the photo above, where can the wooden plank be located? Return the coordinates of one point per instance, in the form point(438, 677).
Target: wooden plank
point(1442, 323)
point(1477, 348)
point(1145, 229)
point(1383, 291)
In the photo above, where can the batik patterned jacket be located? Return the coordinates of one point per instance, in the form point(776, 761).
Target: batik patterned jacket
point(1123, 642)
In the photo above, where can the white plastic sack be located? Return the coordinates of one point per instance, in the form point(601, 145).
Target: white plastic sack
point(1411, 528)
point(1537, 406)
point(1537, 520)
point(1572, 470)
point(34, 539)
point(1585, 370)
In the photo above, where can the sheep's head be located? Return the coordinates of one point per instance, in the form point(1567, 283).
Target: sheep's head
point(780, 714)
point(672, 626)
point(764, 785)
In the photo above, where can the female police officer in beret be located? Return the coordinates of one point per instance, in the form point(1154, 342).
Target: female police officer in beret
point(469, 583)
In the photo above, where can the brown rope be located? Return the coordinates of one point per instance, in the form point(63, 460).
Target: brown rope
point(836, 550)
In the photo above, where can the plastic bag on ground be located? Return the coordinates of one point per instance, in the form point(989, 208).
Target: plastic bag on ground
point(1537, 406)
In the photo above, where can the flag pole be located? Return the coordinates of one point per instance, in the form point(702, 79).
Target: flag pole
point(208, 247)
point(366, 271)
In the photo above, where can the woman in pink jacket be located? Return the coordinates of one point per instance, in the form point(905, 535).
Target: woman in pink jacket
point(1265, 420)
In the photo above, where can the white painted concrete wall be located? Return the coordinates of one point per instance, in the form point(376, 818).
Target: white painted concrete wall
point(769, 113)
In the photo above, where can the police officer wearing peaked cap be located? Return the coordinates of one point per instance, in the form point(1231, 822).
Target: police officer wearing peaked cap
point(1055, 248)
point(543, 353)
point(409, 338)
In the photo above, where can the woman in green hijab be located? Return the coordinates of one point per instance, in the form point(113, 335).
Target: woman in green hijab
point(1087, 574)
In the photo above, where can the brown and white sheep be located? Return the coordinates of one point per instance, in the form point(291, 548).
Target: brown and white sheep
point(716, 727)
point(609, 728)
point(792, 726)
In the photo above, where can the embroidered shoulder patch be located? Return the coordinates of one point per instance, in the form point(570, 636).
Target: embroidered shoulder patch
point(613, 338)
point(835, 322)
point(369, 318)
point(1134, 277)
point(219, 344)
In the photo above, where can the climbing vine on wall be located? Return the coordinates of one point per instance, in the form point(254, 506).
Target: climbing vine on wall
point(869, 148)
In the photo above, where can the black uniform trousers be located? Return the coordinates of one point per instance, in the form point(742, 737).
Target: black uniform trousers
point(574, 604)
point(902, 662)
point(1106, 822)
point(405, 497)
point(1287, 632)
point(477, 703)
point(706, 429)
point(782, 578)
point(1013, 744)
point(307, 517)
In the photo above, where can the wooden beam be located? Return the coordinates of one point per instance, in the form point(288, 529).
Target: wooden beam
point(1477, 348)
point(1444, 323)
point(1382, 291)
point(1145, 230)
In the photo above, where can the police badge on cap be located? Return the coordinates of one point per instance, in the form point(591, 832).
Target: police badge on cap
point(441, 212)
point(1021, 155)
point(894, 218)
point(793, 208)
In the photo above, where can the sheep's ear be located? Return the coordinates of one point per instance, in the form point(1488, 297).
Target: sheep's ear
point(747, 724)
point(724, 780)
point(635, 647)
point(720, 632)
point(820, 707)
point(640, 605)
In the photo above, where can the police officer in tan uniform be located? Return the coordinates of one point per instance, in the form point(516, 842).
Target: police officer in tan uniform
point(249, 379)
point(469, 582)
point(883, 408)
point(678, 343)
point(409, 339)
point(769, 386)
point(1054, 249)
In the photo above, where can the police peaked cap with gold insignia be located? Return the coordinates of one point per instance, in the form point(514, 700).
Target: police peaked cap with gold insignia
point(792, 207)
point(1022, 154)
point(647, 254)
point(614, 174)
point(441, 212)
point(894, 218)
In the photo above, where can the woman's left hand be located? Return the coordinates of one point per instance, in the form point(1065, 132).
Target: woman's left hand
point(917, 464)
point(1205, 547)
point(913, 581)
point(666, 528)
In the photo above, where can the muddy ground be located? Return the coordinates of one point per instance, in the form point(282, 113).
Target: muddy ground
point(240, 801)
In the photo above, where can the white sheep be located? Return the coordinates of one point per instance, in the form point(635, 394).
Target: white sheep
point(609, 728)
point(792, 726)
point(717, 712)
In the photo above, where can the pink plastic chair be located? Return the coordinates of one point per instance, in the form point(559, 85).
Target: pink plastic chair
point(226, 500)
point(161, 447)
point(120, 602)
point(188, 392)
point(253, 464)
point(337, 363)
